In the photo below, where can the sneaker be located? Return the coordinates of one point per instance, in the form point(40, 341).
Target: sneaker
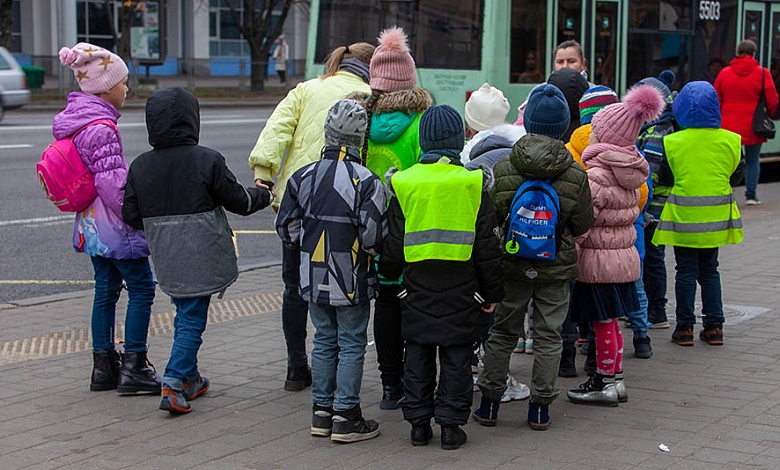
point(538, 416)
point(515, 390)
point(683, 335)
point(196, 388)
point(174, 401)
point(321, 421)
point(391, 397)
point(642, 348)
point(520, 347)
point(598, 390)
point(752, 202)
point(487, 413)
point(620, 387)
point(350, 426)
point(659, 325)
point(298, 378)
point(421, 435)
point(529, 346)
point(712, 334)
point(452, 437)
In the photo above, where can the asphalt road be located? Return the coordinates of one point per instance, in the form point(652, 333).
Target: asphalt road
point(36, 253)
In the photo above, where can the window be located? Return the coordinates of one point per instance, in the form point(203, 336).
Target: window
point(442, 33)
point(225, 40)
point(527, 53)
point(663, 15)
point(16, 27)
point(92, 24)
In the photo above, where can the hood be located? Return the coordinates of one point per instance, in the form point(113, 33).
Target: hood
point(388, 127)
point(394, 112)
point(697, 105)
point(499, 137)
point(82, 108)
point(538, 156)
point(172, 118)
point(580, 138)
point(743, 65)
point(629, 167)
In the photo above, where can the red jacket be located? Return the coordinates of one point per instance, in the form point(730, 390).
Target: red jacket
point(739, 87)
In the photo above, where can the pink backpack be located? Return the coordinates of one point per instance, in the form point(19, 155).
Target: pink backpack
point(64, 178)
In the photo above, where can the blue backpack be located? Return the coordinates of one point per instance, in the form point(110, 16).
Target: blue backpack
point(532, 221)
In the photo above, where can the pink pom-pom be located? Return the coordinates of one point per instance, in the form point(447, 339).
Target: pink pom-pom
point(393, 39)
point(644, 102)
point(68, 56)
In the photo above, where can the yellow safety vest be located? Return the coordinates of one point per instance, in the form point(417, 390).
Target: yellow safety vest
point(701, 211)
point(440, 203)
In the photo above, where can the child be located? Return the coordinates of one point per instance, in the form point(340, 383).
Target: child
point(443, 238)
point(177, 192)
point(538, 154)
point(333, 211)
point(608, 261)
point(119, 253)
point(485, 110)
point(700, 213)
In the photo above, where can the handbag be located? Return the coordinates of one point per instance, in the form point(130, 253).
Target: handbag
point(763, 126)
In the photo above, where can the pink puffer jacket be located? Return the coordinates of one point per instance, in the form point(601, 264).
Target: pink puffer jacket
point(606, 252)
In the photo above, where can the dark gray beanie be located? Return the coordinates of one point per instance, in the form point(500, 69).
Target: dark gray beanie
point(345, 124)
point(441, 127)
point(547, 112)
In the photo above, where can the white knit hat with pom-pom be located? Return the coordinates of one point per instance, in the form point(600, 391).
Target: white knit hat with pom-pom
point(392, 67)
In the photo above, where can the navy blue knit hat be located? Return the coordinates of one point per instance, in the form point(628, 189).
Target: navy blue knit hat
point(441, 127)
point(547, 112)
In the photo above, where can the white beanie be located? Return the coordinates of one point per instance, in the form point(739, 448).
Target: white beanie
point(486, 108)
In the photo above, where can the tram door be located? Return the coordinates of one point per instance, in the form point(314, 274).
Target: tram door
point(753, 28)
point(605, 59)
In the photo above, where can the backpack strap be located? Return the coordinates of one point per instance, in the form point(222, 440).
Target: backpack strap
point(107, 122)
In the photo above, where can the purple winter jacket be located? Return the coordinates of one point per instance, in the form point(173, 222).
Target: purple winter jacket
point(100, 230)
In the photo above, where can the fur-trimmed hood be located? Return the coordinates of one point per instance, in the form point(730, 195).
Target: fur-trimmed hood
point(415, 100)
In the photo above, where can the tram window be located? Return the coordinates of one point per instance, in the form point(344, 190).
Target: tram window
point(527, 55)
point(442, 34)
point(774, 65)
point(663, 15)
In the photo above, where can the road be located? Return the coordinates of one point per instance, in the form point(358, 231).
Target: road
point(36, 253)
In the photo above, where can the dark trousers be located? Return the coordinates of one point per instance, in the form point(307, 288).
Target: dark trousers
point(295, 310)
point(450, 404)
point(388, 335)
point(654, 278)
point(698, 265)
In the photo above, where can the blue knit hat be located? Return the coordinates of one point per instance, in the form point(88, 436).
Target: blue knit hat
point(663, 83)
point(547, 112)
point(441, 127)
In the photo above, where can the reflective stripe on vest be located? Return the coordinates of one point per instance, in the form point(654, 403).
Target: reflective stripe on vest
point(691, 201)
point(684, 227)
point(440, 203)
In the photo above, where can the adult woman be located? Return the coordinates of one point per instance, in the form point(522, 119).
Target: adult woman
point(295, 127)
point(739, 88)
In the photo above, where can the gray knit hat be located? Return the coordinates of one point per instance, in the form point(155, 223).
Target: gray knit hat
point(345, 124)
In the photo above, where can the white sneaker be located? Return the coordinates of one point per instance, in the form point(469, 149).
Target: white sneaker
point(752, 202)
point(515, 390)
point(529, 346)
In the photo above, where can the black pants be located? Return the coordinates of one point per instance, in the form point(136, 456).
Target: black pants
point(388, 335)
point(282, 75)
point(295, 310)
point(450, 403)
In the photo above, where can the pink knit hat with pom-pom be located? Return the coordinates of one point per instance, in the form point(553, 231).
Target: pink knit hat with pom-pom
point(97, 70)
point(392, 67)
point(619, 123)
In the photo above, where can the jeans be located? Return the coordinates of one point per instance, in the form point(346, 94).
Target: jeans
point(294, 309)
point(654, 278)
point(551, 302)
point(638, 318)
point(188, 328)
point(339, 350)
point(109, 274)
point(388, 335)
point(698, 265)
point(752, 170)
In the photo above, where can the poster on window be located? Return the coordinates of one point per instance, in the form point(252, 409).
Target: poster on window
point(145, 32)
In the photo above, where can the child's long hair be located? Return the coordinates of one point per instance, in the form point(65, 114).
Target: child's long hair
point(359, 50)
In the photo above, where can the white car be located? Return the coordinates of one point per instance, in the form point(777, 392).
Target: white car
point(13, 83)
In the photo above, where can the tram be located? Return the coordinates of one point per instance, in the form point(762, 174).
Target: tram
point(509, 43)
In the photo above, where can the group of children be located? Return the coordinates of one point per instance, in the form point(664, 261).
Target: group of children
point(433, 228)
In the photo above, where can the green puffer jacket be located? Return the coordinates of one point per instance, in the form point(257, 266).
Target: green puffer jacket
point(538, 156)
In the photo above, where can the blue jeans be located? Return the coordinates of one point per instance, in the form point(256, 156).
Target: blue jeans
point(337, 357)
point(752, 170)
point(638, 318)
point(654, 277)
point(109, 274)
point(294, 309)
point(188, 328)
point(697, 265)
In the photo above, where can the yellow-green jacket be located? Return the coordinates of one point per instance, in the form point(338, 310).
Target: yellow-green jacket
point(297, 125)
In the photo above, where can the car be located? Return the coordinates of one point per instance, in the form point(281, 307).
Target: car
point(13, 83)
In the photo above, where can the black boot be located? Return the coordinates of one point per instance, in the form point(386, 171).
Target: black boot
point(568, 367)
point(105, 370)
point(422, 434)
point(138, 375)
point(298, 378)
point(590, 362)
point(452, 437)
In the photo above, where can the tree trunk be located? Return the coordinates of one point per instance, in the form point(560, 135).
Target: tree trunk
point(6, 24)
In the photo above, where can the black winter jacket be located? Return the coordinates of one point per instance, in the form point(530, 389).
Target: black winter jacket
point(440, 307)
point(538, 156)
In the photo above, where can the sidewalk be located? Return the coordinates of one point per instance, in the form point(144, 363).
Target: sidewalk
point(714, 407)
